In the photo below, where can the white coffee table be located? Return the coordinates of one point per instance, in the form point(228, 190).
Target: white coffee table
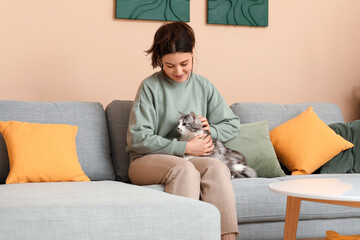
point(338, 191)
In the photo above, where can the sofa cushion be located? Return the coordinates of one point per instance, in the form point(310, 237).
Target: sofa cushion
point(255, 203)
point(41, 152)
point(347, 161)
point(118, 111)
point(305, 143)
point(332, 235)
point(117, 115)
point(253, 141)
point(277, 114)
point(102, 210)
point(92, 141)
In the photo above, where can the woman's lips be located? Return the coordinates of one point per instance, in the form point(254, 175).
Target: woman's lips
point(181, 76)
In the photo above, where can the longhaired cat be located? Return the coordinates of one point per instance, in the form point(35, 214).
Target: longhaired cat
point(190, 126)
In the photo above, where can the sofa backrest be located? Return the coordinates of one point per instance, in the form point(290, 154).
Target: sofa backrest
point(276, 114)
point(92, 140)
point(117, 115)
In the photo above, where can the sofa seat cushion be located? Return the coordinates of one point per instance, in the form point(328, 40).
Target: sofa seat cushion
point(255, 203)
point(102, 210)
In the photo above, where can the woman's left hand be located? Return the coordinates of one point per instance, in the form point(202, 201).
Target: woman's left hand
point(204, 123)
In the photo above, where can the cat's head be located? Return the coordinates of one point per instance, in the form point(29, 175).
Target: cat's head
point(189, 125)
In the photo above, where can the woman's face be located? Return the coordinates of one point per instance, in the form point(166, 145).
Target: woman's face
point(177, 66)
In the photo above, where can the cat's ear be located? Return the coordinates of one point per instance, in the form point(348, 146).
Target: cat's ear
point(193, 115)
point(181, 114)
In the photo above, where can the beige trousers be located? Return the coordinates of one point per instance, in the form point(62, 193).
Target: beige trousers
point(203, 177)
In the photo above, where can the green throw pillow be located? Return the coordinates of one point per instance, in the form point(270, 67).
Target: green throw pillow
point(253, 141)
point(347, 161)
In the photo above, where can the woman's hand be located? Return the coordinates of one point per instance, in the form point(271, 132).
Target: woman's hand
point(204, 122)
point(199, 147)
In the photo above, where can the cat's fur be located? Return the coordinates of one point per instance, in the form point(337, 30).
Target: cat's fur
point(190, 126)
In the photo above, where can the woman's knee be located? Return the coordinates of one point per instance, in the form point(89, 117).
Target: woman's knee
point(154, 168)
point(213, 166)
point(184, 171)
point(183, 180)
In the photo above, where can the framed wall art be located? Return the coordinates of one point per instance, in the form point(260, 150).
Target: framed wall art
point(238, 12)
point(162, 10)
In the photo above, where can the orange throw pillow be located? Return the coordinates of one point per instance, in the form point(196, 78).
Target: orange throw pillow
point(41, 152)
point(305, 143)
point(332, 235)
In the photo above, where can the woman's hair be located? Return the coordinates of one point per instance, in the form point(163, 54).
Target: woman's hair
point(171, 38)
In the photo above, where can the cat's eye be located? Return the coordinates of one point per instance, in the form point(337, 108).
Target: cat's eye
point(184, 124)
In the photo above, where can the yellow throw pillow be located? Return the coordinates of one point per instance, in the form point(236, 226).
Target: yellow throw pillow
point(332, 235)
point(41, 152)
point(305, 143)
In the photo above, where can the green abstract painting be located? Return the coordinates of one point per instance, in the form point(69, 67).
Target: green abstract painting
point(238, 12)
point(163, 10)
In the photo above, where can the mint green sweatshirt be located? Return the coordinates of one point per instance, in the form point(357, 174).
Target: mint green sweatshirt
point(155, 113)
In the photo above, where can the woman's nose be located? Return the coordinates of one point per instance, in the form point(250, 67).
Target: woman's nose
point(178, 69)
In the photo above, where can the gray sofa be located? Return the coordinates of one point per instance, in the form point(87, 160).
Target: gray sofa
point(261, 213)
point(100, 209)
point(110, 207)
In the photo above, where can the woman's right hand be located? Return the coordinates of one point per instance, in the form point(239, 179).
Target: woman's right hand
point(199, 146)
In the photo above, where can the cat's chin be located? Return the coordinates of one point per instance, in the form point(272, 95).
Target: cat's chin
point(186, 137)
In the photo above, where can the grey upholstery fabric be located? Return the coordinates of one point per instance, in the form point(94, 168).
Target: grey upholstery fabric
point(92, 140)
point(261, 213)
point(277, 114)
point(115, 210)
point(102, 210)
point(263, 205)
point(313, 229)
point(118, 111)
point(314, 220)
point(117, 114)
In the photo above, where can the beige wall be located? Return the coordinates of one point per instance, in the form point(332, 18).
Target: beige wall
point(76, 50)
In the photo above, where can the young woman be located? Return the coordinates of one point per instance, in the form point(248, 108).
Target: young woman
point(156, 153)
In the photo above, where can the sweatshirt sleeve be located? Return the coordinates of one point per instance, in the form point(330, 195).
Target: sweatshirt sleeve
point(141, 137)
point(224, 124)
